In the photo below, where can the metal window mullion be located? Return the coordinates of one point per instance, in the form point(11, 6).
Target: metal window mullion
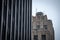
point(24, 17)
point(7, 18)
point(11, 20)
point(29, 19)
point(2, 18)
point(24, 25)
point(18, 20)
point(27, 22)
point(22, 20)
point(15, 18)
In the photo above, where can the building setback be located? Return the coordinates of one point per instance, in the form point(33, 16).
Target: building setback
point(15, 20)
point(42, 28)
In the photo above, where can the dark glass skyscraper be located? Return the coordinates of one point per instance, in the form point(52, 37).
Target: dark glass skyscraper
point(15, 23)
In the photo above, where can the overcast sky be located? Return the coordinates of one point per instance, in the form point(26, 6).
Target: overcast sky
point(51, 8)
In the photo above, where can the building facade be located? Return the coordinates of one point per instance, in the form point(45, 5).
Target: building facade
point(15, 20)
point(42, 28)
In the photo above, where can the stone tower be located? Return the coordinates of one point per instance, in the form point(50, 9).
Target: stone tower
point(42, 28)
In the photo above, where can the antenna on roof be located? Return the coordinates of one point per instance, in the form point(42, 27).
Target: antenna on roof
point(36, 10)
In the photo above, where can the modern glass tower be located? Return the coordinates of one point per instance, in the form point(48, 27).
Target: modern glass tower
point(15, 23)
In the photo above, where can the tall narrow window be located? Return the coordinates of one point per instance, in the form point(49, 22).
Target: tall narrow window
point(43, 37)
point(35, 37)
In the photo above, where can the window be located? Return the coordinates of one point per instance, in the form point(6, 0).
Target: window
point(43, 37)
point(38, 26)
point(45, 26)
point(35, 37)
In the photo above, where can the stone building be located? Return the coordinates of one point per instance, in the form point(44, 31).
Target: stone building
point(42, 28)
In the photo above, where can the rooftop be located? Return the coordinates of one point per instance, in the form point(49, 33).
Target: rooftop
point(39, 13)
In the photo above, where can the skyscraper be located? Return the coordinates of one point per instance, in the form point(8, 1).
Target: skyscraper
point(16, 19)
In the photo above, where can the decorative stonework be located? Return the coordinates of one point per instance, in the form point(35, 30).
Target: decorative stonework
point(45, 29)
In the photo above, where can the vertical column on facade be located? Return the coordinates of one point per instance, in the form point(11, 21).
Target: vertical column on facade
point(7, 19)
point(23, 22)
point(2, 18)
point(30, 7)
point(30, 18)
point(18, 20)
point(24, 17)
point(27, 27)
point(11, 20)
point(21, 19)
point(27, 19)
point(15, 19)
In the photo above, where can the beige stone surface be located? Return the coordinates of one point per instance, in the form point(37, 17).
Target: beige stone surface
point(42, 20)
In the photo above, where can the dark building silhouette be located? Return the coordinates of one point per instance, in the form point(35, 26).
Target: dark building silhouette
point(15, 19)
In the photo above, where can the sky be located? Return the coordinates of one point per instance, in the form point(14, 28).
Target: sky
point(51, 8)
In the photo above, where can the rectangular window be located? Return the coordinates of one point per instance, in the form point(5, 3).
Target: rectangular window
point(45, 26)
point(35, 37)
point(38, 26)
point(43, 37)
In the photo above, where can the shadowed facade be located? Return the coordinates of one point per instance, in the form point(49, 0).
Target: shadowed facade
point(15, 20)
